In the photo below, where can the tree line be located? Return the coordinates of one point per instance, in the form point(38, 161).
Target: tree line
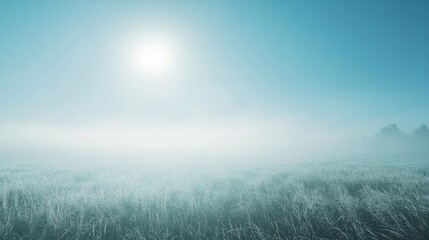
point(392, 130)
point(391, 141)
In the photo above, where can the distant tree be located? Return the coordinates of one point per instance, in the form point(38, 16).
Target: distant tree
point(422, 131)
point(391, 130)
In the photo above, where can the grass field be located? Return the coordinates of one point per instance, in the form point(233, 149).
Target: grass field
point(319, 200)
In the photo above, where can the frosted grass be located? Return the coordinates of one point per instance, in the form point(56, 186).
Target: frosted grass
point(321, 200)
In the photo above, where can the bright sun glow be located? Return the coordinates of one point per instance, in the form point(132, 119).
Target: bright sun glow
point(154, 58)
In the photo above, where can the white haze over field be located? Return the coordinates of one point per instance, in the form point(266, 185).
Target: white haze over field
point(239, 139)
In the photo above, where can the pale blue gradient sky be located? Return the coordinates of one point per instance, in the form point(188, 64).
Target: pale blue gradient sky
point(340, 66)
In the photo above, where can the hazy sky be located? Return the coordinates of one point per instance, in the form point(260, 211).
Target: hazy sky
point(243, 74)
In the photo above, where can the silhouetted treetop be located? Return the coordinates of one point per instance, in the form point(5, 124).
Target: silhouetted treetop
point(390, 130)
point(422, 131)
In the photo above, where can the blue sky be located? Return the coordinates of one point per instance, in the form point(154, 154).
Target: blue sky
point(329, 66)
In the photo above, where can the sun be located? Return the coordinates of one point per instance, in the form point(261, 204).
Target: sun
point(154, 58)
